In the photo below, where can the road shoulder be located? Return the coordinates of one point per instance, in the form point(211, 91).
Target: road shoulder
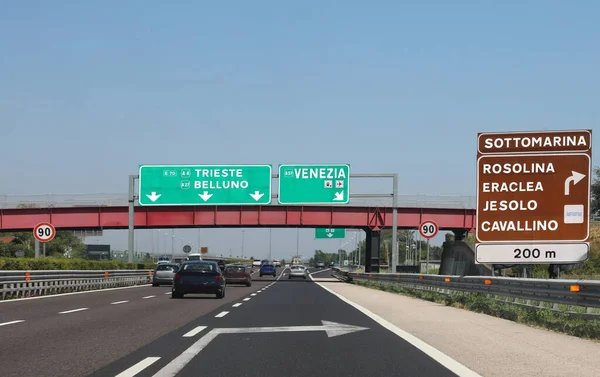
point(489, 346)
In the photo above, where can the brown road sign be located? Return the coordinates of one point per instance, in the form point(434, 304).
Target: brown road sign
point(533, 196)
point(534, 142)
point(541, 197)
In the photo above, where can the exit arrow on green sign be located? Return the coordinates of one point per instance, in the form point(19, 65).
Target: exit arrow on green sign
point(180, 185)
point(330, 233)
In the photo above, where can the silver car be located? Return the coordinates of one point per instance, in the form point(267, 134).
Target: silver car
point(298, 271)
point(164, 274)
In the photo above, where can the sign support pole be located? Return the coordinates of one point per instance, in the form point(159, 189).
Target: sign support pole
point(44, 249)
point(37, 248)
point(131, 242)
point(395, 223)
point(427, 260)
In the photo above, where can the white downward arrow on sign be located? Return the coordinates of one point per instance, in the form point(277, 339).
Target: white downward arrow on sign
point(205, 195)
point(329, 235)
point(331, 329)
point(153, 196)
point(257, 195)
point(339, 196)
point(575, 178)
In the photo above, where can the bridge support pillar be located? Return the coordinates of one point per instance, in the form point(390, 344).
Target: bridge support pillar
point(373, 243)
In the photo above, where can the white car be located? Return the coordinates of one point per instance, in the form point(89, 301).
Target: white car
point(298, 271)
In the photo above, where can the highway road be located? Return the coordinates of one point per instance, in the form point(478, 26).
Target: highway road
point(277, 326)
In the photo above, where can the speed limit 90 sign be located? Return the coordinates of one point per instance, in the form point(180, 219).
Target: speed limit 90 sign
point(428, 229)
point(44, 232)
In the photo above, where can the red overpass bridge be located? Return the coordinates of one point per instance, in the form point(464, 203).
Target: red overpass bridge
point(105, 211)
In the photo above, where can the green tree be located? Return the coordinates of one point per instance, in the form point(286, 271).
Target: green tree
point(595, 194)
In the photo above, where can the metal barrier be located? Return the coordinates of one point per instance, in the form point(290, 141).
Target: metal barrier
point(17, 284)
point(582, 293)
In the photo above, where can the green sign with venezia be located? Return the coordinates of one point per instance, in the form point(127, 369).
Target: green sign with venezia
point(181, 185)
point(314, 184)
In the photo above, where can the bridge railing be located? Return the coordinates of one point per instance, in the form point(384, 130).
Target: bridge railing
point(17, 284)
point(118, 199)
point(534, 293)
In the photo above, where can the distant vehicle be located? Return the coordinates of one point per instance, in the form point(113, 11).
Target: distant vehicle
point(268, 269)
point(331, 265)
point(194, 256)
point(198, 277)
point(164, 274)
point(237, 274)
point(277, 263)
point(296, 261)
point(320, 264)
point(221, 264)
point(287, 266)
point(256, 263)
point(298, 271)
point(163, 262)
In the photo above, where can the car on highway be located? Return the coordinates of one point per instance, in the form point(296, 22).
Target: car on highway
point(267, 269)
point(298, 271)
point(237, 274)
point(164, 274)
point(194, 256)
point(320, 264)
point(222, 265)
point(198, 277)
point(256, 263)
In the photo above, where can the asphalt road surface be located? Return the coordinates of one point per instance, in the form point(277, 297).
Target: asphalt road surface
point(284, 327)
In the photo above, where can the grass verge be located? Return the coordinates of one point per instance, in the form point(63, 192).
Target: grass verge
point(478, 302)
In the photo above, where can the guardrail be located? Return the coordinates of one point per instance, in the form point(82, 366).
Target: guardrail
point(17, 284)
point(535, 293)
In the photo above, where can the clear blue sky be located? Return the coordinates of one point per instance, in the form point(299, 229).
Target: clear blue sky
point(90, 90)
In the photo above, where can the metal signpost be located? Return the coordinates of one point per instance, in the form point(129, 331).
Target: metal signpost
point(428, 229)
point(314, 184)
point(180, 185)
point(533, 197)
point(321, 233)
point(43, 232)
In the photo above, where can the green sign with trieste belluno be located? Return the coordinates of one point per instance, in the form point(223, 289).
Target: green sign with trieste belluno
point(171, 185)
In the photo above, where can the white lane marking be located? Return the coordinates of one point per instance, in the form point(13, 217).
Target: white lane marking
point(247, 299)
point(448, 362)
point(221, 315)
point(167, 293)
point(118, 302)
point(137, 368)
point(253, 294)
point(171, 369)
point(72, 293)
point(318, 272)
point(237, 305)
point(12, 322)
point(194, 332)
point(73, 311)
point(148, 297)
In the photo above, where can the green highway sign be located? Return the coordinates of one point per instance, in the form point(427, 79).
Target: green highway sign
point(182, 185)
point(330, 233)
point(314, 184)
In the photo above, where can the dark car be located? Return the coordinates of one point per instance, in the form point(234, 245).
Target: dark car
point(320, 265)
point(237, 274)
point(198, 277)
point(221, 265)
point(267, 269)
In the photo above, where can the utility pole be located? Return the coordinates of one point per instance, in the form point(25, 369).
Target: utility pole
point(172, 244)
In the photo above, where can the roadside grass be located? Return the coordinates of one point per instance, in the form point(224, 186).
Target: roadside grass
point(478, 302)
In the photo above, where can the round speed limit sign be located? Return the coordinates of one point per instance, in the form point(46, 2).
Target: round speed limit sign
point(428, 229)
point(44, 232)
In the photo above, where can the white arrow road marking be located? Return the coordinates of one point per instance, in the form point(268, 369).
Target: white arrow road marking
point(137, 368)
point(257, 195)
point(339, 196)
point(205, 195)
point(153, 196)
point(575, 178)
point(331, 329)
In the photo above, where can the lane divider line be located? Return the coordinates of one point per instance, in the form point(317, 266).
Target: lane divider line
point(72, 293)
point(118, 302)
point(167, 293)
point(252, 294)
point(73, 311)
point(247, 299)
point(148, 297)
point(194, 332)
point(137, 368)
point(221, 315)
point(237, 305)
point(12, 322)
